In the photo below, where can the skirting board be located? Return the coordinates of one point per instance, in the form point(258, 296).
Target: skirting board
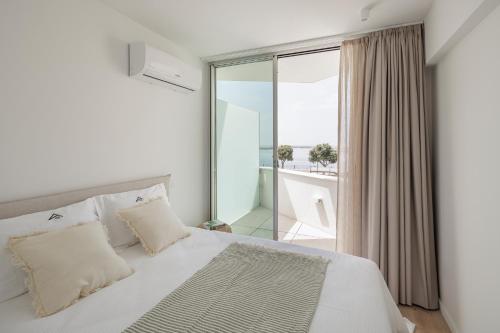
point(447, 318)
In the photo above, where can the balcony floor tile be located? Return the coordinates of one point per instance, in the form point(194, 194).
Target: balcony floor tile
point(318, 243)
point(259, 223)
point(255, 218)
point(285, 237)
point(308, 230)
point(287, 224)
point(263, 233)
point(268, 224)
point(237, 229)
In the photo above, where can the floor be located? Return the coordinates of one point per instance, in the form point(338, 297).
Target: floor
point(259, 223)
point(426, 321)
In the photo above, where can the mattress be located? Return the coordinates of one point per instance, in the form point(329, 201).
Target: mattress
point(354, 297)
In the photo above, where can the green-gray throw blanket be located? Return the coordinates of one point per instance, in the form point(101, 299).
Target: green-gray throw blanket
point(246, 288)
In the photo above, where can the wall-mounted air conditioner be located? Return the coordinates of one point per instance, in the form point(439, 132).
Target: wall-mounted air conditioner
point(157, 67)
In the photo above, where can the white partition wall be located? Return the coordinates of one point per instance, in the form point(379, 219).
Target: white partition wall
point(242, 141)
point(237, 145)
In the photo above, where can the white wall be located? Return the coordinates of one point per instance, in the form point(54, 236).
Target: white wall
point(448, 21)
point(467, 174)
point(71, 118)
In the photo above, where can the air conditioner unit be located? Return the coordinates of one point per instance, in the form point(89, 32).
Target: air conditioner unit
point(157, 67)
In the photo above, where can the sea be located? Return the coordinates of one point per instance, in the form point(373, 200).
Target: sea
point(300, 160)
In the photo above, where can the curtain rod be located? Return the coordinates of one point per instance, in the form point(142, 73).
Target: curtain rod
point(298, 46)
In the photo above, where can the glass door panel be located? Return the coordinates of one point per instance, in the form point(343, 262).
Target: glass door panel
point(243, 148)
point(307, 113)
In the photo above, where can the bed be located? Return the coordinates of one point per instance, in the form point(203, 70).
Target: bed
point(354, 297)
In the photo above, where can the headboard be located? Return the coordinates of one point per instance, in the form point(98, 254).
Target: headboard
point(53, 201)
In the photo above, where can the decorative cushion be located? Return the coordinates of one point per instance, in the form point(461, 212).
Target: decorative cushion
point(11, 277)
point(66, 264)
point(109, 204)
point(155, 224)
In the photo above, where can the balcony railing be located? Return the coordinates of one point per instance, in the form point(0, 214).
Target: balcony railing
point(306, 209)
point(305, 197)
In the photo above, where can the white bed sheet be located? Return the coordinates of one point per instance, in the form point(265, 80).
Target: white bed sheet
point(354, 296)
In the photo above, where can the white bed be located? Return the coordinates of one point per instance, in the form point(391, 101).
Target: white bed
point(354, 296)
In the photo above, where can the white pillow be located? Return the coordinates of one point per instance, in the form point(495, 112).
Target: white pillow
point(109, 204)
point(12, 277)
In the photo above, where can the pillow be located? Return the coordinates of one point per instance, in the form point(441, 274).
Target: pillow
point(155, 224)
point(11, 277)
point(109, 204)
point(67, 264)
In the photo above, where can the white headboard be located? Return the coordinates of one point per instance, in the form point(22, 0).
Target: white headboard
point(53, 201)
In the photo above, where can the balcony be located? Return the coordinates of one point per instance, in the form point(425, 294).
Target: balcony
point(306, 209)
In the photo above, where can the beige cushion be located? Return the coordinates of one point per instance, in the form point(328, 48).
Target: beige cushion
point(155, 224)
point(66, 264)
point(108, 204)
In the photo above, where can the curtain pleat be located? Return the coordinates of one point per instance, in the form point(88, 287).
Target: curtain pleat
point(385, 208)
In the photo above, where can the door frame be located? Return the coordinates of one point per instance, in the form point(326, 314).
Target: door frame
point(275, 147)
point(213, 94)
point(213, 126)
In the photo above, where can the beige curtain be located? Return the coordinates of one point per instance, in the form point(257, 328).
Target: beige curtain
point(384, 199)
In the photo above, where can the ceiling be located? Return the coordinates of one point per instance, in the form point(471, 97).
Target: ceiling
point(212, 27)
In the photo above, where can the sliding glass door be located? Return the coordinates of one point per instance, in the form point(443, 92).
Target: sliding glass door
point(277, 180)
point(307, 148)
point(243, 146)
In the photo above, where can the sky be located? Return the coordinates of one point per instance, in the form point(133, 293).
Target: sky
point(307, 112)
